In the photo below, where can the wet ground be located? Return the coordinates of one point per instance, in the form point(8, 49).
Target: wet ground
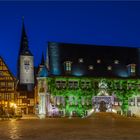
point(98, 127)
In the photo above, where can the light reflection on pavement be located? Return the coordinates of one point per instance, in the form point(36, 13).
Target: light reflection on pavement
point(98, 127)
point(14, 131)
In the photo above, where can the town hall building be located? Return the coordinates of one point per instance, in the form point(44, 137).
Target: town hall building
point(80, 79)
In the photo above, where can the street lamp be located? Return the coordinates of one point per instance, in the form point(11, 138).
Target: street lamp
point(14, 106)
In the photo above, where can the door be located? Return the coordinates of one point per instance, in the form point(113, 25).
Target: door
point(102, 107)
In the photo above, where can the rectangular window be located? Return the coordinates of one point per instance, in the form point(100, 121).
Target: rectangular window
point(132, 101)
point(60, 84)
point(68, 65)
point(73, 84)
point(85, 84)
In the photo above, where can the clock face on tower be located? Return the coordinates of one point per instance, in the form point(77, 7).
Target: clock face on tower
point(26, 65)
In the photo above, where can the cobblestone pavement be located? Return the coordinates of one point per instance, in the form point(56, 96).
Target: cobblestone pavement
point(99, 127)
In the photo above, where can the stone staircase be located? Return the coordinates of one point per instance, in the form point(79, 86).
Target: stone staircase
point(105, 115)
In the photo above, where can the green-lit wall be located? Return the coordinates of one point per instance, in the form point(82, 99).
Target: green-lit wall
point(122, 88)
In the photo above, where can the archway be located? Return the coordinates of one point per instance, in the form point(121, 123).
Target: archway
point(102, 103)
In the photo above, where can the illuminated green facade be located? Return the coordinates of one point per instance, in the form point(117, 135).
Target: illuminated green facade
point(84, 89)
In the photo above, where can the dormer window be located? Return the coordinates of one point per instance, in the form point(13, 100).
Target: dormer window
point(81, 60)
point(98, 61)
point(131, 69)
point(67, 66)
point(90, 67)
point(27, 52)
point(109, 68)
point(116, 61)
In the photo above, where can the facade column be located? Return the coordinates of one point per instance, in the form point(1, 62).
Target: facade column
point(47, 103)
point(42, 105)
point(135, 101)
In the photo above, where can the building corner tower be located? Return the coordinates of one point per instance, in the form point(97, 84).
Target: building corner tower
point(25, 66)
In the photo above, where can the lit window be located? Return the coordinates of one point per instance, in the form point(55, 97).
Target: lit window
point(131, 101)
point(131, 69)
point(98, 61)
point(1, 73)
point(68, 66)
point(116, 61)
point(90, 67)
point(109, 68)
point(81, 60)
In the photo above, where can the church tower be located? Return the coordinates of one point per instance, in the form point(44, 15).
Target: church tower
point(25, 66)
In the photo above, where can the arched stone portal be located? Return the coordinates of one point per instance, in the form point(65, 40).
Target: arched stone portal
point(102, 103)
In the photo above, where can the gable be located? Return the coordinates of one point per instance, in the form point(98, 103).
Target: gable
point(5, 73)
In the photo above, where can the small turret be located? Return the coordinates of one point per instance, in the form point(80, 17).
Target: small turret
point(42, 70)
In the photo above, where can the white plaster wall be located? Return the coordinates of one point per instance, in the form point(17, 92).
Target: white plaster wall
point(26, 77)
point(135, 110)
point(42, 103)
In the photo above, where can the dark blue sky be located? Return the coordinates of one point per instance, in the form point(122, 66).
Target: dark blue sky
point(102, 23)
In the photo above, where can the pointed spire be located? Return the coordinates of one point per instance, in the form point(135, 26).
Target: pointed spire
point(42, 60)
point(24, 41)
point(23, 29)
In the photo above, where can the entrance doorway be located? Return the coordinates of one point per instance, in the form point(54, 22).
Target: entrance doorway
point(102, 107)
point(102, 103)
